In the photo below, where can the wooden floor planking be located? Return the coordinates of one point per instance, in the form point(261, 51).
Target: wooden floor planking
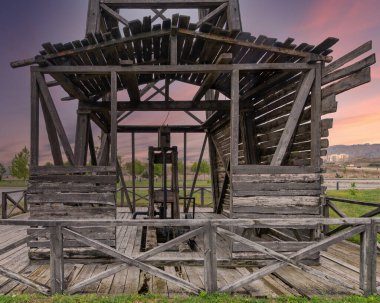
point(340, 261)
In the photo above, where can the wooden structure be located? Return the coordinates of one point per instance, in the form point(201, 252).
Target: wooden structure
point(209, 268)
point(265, 139)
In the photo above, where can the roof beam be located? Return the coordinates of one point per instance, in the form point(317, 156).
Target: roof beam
point(210, 105)
point(212, 77)
point(163, 3)
point(155, 128)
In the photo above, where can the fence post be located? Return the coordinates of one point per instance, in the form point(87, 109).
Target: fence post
point(202, 197)
point(4, 205)
point(368, 255)
point(56, 260)
point(210, 262)
point(25, 202)
point(325, 213)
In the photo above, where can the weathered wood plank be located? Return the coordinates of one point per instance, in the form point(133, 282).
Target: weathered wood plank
point(293, 119)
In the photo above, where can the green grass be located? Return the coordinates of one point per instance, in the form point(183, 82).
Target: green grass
point(353, 210)
point(12, 183)
point(202, 298)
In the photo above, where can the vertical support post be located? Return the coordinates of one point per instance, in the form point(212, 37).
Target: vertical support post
point(202, 196)
point(210, 265)
point(316, 111)
point(34, 120)
point(233, 16)
point(234, 130)
point(4, 203)
point(325, 213)
point(133, 169)
point(113, 118)
point(368, 255)
point(56, 260)
point(234, 122)
point(184, 165)
point(81, 138)
point(93, 17)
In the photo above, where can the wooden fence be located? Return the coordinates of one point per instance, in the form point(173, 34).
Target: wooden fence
point(17, 200)
point(208, 229)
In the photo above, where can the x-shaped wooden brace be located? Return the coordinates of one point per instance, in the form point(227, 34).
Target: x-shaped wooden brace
point(293, 259)
point(129, 261)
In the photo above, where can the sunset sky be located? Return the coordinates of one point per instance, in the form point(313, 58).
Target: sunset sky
point(26, 24)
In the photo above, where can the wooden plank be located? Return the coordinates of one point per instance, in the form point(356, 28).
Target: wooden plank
point(347, 57)
point(354, 80)
point(56, 260)
point(48, 101)
point(34, 120)
point(213, 13)
point(234, 118)
point(266, 169)
point(233, 16)
point(81, 139)
point(52, 136)
point(344, 72)
point(114, 14)
point(74, 170)
point(368, 257)
point(93, 16)
point(91, 198)
point(113, 155)
point(316, 112)
point(210, 266)
point(293, 119)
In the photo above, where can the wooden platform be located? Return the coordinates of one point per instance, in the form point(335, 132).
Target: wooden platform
point(340, 261)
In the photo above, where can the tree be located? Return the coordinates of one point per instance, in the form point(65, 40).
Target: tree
point(158, 170)
point(203, 169)
point(2, 171)
point(20, 164)
point(139, 167)
point(181, 167)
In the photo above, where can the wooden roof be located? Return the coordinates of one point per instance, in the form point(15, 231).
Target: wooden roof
point(142, 43)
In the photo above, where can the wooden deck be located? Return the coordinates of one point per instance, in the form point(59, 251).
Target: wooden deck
point(340, 261)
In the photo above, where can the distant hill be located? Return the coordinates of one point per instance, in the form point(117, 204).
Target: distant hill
point(356, 151)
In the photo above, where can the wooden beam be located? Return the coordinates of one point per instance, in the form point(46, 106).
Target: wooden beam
point(368, 256)
point(211, 105)
point(113, 156)
point(210, 266)
point(213, 13)
point(81, 139)
point(172, 69)
point(56, 260)
point(159, 14)
point(34, 120)
point(299, 255)
point(52, 136)
point(91, 145)
point(48, 101)
point(211, 78)
point(293, 119)
point(155, 128)
point(114, 14)
point(133, 262)
point(163, 3)
point(316, 113)
point(233, 16)
point(93, 17)
point(234, 119)
point(347, 57)
point(268, 48)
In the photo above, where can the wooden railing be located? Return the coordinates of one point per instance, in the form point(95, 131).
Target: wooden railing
point(208, 231)
point(331, 205)
point(17, 200)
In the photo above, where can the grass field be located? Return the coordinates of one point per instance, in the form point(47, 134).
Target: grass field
point(203, 298)
point(12, 183)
